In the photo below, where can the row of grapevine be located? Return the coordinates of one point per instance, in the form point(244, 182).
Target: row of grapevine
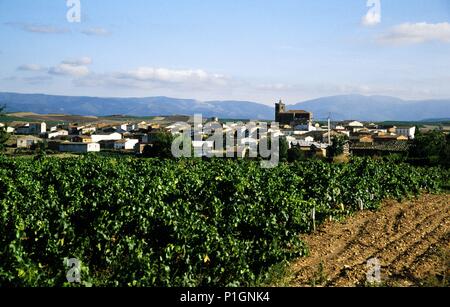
point(135, 222)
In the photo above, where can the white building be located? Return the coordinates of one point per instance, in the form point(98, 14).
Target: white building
point(143, 125)
point(81, 130)
point(301, 143)
point(6, 128)
point(128, 127)
point(307, 127)
point(309, 139)
point(54, 134)
point(127, 144)
point(292, 141)
point(409, 132)
point(354, 126)
point(33, 128)
point(38, 128)
point(114, 136)
point(88, 130)
point(177, 128)
point(79, 147)
point(27, 141)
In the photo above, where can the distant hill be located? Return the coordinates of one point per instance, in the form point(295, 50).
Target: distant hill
point(150, 106)
point(437, 120)
point(375, 108)
point(365, 108)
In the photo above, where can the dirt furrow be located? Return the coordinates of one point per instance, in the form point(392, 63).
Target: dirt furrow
point(401, 236)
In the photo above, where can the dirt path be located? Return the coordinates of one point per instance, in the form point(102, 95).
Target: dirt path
point(411, 240)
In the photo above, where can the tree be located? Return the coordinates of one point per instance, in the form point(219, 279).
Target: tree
point(445, 156)
point(161, 147)
point(297, 154)
point(337, 146)
point(431, 147)
point(284, 149)
point(428, 144)
point(39, 148)
point(4, 136)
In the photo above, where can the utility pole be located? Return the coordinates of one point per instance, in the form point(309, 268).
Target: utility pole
point(329, 129)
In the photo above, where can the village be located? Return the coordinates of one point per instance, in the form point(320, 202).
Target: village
point(297, 127)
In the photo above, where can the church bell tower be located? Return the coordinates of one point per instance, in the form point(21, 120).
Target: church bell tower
point(280, 107)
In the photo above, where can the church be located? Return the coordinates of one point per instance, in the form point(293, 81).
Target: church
point(291, 117)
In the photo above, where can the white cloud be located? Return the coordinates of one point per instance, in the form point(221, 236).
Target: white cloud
point(160, 79)
point(78, 62)
point(74, 67)
point(30, 67)
point(166, 75)
point(275, 87)
point(69, 70)
point(417, 33)
point(95, 32)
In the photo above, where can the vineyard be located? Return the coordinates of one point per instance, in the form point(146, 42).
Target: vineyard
point(139, 222)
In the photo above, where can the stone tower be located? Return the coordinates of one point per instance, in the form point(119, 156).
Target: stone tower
point(280, 107)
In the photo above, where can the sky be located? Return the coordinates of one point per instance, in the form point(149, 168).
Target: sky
point(256, 50)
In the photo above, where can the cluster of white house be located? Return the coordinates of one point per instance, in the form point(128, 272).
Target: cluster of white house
point(135, 136)
point(306, 136)
point(74, 138)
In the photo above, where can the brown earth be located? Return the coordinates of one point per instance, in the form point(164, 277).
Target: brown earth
point(113, 119)
point(54, 117)
point(411, 240)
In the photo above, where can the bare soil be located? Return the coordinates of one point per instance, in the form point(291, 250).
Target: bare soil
point(411, 240)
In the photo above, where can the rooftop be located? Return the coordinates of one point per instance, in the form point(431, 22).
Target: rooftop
point(82, 136)
point(297, 111)
point(28, 137)
point(76, 143)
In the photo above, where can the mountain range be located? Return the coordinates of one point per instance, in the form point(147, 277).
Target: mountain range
point(365, 108)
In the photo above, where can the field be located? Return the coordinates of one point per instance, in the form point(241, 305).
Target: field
point(139, 222)
point(55, 119)
point(411, 240)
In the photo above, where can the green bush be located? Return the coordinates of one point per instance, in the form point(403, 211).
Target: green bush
point(149, 222)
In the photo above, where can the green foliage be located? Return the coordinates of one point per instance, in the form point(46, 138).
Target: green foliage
point(432, 148)
point(4, 136)
point(445, 155)
point(337, 146)
point(320, 277)
point(284, 149)
point(297, 154)
point(149, 222)
point(161, 147)
point(39, 148)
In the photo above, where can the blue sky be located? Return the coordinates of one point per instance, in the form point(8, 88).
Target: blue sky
point(259, 50)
